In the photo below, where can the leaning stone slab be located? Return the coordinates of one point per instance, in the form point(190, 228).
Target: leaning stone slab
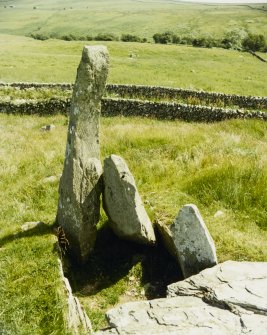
point(228, 299)
point(195, 248)
point(122, 203)
point(80, 184)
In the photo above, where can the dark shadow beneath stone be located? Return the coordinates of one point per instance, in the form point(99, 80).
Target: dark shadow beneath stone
point(113, 258)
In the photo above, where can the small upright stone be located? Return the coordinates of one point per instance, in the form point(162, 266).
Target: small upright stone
point(194, 245)
point(80, 184)
point(123, 205)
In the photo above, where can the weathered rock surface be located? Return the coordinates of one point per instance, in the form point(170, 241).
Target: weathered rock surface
point(228, 299)
point(122, 203)
point(80, 184)
point(237, 284)
point(195, 248)
point(77, 320)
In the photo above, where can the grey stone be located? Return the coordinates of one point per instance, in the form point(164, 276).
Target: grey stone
point(50, 180)
point(218, 213)
point(228, 299)
point(238, 284)
point(122, 203)
point(76, 318)
point(80, 184)
point(48, 127)
point(194, 246)
point(166, 237)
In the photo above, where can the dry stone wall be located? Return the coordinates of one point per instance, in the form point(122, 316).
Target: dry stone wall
point(122, 107)
point(159, 92)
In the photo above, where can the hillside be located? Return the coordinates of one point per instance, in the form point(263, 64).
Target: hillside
point(219, 70)
point(143, 18)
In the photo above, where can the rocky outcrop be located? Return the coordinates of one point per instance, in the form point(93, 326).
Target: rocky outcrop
point(80, 184)
point(228, 299)
point(122, 203)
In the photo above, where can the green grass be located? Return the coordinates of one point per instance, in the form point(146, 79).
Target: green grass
point(31, 295)
point(24, 59)
point(218, 166)
point(143, 18)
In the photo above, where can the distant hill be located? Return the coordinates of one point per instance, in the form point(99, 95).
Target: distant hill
point(142, 18)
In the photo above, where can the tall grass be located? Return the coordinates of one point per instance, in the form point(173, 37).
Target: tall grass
point(219, 167)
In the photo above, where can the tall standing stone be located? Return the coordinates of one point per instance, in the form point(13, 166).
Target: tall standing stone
point(80, 184)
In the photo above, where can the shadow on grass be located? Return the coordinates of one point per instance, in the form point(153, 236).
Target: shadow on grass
point(38, 230)
point(113, 258)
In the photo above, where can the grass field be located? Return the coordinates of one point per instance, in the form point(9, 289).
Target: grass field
point(25, 59)
point(219, 167)
point(143, 18)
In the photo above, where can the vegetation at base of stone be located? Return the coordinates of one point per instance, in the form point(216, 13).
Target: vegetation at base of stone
point(214, 70)
point(120, 271)
point(219, 167)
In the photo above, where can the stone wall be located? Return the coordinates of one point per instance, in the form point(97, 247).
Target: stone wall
point(146, 92)
point(39, 107)
point(25, 86)
point(172, 111)
point(157, 92)
point(123, 107)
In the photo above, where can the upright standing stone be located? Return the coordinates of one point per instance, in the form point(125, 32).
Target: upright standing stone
point(80, 184)
point(194, 245)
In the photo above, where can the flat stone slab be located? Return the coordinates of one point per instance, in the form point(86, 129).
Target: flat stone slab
point(228, 299)
point(233, 284)
point(123, 204)
point(195, 248)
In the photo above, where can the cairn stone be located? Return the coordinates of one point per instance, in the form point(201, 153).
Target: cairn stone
point(194, 246)
point(80, 184)
point(123, 204)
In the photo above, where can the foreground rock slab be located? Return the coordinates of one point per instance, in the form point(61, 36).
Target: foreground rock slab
point(123, 204)
point(228, 299)
point(195, 248)
point(233, 284)
point(80, 184)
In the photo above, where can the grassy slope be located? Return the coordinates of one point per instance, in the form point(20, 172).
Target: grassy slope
point(217, 166)
point(187, 160)
point(24, 59)
point(143, 18)
point(31, 296)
